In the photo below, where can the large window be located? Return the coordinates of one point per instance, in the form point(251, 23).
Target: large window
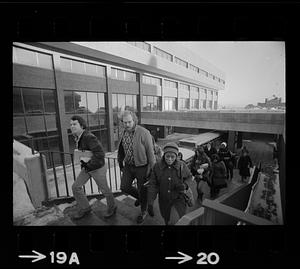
point(151, 103)
point(183, 104)
point(151, 80)
point(141, 45)
point(181, 62)
point(169, 103)
point(162, 54)
point(123, 75)
point(210, 104)
point(32, 58)
point(35, 119)
point(80, 67)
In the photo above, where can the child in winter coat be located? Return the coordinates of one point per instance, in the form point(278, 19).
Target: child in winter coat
point(169, 178)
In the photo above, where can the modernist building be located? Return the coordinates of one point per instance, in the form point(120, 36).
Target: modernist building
point(54, 80)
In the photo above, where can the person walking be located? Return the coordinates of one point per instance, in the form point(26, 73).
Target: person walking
point(200, 168)
point(136, 159)
point(210, 150)
point(170, 178)
point(95, 168)
point(244, 164)
point(218, 175)
point(228, 158)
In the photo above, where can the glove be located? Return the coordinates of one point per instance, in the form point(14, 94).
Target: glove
point(182, 187)
point(83, 165)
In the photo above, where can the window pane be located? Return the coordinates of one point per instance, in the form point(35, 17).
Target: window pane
point(32, 101)
point(49, 101)
point(120, 74)
point(93, 121)
point(78, 67)
point(121, 101)
point(65, 65)
point(103, 121)
point(19, 126)
point(35, 124)
point(129, 102)
point(144, 102)
point(101, 99)
point(134, 105)
point(69, 102)
point(113, 73)
point(101, 71)
point(91, 69)
point(45, 61)
point(17, 101)
point(51, 123)
point(114, 102)
point(80, 102)
point(92, 102)
point(26, 57)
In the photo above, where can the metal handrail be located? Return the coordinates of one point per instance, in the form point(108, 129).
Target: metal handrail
point(70, 172)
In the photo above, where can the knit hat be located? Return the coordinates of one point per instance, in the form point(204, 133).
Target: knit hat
point(171, 147)
point(223, 143)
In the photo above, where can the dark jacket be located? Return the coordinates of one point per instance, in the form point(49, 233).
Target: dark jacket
point(227, 157)
point(143, 151)
point(88, 141)
point(210, 152)
point(219, 174)
point(197, 161)
point(167, 181)
point(244, 163)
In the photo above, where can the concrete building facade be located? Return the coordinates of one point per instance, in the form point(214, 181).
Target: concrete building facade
point(54, 80)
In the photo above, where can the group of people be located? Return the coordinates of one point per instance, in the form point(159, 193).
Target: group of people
point(213, 169)
point(163, 174)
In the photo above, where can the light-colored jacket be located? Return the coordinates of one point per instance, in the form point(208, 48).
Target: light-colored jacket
point(143, 151)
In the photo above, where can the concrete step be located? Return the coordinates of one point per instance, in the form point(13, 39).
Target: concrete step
point(156, 220)
point(90, 219)
point(99, 208)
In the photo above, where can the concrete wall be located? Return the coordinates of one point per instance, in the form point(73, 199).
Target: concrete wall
point(28, 167)
point(217, 120)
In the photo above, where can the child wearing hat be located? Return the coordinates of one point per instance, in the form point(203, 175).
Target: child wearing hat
point(169, 179)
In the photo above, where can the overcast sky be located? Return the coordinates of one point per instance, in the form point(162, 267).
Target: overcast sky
point(254, 70)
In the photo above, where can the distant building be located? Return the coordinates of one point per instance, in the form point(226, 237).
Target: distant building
point(275, 102)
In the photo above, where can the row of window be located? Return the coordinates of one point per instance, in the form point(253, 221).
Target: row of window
point(32, 58)
point(169, 57)
point(123, 75)
point(142, 45)
point(78, 67)
point(163, 54)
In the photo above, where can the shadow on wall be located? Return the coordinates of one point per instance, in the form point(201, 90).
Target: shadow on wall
point(153, 61)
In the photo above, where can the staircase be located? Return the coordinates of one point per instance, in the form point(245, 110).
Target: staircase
point(126, 214)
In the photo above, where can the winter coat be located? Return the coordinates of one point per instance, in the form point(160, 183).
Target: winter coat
point(244, 164)
point(89, 141)
point(168, 182)
point(219, 174)
point(210, 152)
point(197, 161)
point(143, 151)
point(227, 157)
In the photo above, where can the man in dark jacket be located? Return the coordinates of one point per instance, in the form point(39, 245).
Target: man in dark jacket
point(210, 150)
point(95, 167)
point(136, 159)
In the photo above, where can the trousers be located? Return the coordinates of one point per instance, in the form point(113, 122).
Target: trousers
point(99, 175)
point(131, 172)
